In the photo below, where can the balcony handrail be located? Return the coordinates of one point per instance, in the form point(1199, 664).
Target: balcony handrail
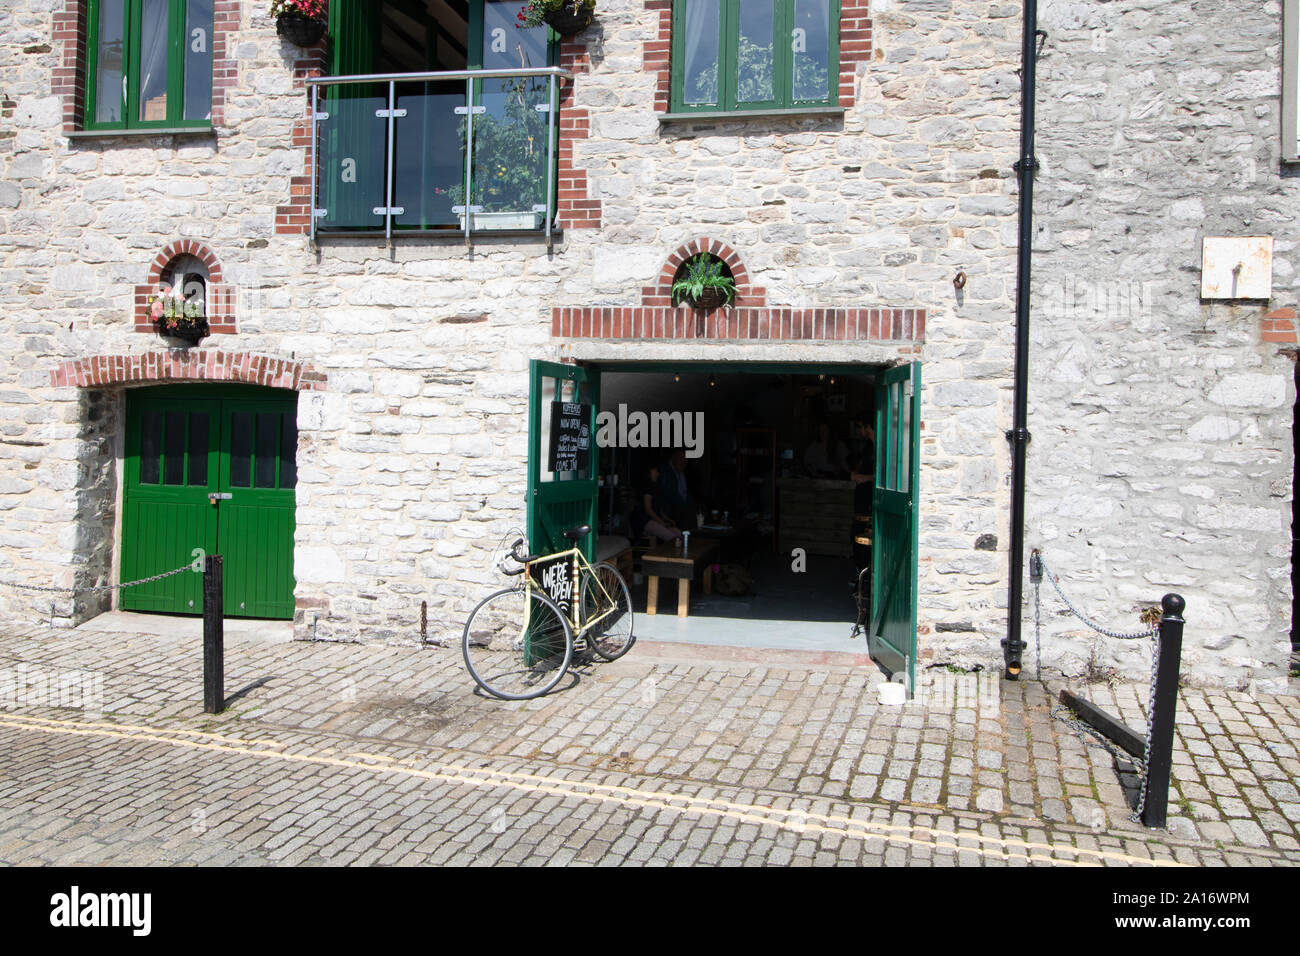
point(439, 75)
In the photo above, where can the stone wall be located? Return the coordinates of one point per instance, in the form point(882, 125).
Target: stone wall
point(1162, 453)
point(411, 456)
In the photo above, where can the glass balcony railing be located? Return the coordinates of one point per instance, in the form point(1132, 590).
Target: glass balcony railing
point(460, 151)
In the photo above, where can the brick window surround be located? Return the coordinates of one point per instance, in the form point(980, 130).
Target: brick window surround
point(574, 207)
point(206, 365)
point(69, 81)
point(750, 317)
point(855, 48)
point(221, 298)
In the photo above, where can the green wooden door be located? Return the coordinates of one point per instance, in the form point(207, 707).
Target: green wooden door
point(892, 638)
point(560, 500)
point(171, 464)
point(259, 441)
point(210, 471)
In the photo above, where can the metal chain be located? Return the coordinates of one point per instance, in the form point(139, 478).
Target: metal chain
point(1038, 629)
point(99, 587)
point(1117, 635)
point(1151, 710)
point(1065, 715)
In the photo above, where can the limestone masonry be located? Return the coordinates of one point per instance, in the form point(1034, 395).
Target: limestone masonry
point(1161, 456)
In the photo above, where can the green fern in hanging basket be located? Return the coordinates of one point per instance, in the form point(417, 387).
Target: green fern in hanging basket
point(705, 283)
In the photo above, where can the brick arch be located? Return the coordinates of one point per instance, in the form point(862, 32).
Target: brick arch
point(184, 247)
point(661, 294)
point(191, 365)
point(222, 300)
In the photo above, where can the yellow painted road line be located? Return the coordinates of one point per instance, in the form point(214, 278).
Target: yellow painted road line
point(801, 821)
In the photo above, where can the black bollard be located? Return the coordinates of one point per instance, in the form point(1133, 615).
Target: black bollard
point(1160, 754)
point(214, 638)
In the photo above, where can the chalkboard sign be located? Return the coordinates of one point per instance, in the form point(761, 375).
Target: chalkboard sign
point(570, 436)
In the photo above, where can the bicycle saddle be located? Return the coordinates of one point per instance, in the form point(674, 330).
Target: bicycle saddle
point(577, 534)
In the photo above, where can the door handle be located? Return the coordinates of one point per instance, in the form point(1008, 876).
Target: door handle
point(216, 496)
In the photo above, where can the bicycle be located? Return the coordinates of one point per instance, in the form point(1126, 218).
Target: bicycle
point(519, 641)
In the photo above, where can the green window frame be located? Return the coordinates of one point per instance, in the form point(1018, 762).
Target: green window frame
point(148, 64)
point(717, 65)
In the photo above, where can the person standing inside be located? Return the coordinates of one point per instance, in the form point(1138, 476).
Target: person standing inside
point(675, 493)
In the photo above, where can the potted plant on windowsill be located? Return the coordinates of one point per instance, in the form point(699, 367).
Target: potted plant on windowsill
point(301, 22)
point(565, 17)
point(704, 282)
point(178, 317)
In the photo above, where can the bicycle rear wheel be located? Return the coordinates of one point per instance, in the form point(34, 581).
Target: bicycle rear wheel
point(607, 603)
point(517, 644)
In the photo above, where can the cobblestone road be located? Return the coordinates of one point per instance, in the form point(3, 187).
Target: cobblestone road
point(338, 754)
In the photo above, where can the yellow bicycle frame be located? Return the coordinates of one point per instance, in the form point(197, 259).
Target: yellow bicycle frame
point(577, 564)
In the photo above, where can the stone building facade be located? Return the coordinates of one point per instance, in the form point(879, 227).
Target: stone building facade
point(1162, 453)
point(1160, 449)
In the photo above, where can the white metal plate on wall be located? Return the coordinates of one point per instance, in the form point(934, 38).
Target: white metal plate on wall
point(1237, 267)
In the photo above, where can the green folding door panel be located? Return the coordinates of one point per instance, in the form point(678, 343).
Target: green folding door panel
point(212, 471)
point(559, 500)
point(892, 637)
point(353, 175)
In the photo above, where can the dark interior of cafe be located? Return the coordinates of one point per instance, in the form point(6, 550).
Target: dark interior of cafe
point(769, 492)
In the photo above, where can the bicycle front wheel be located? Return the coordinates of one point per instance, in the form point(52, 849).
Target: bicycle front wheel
point(606, 612)
point(517, 644)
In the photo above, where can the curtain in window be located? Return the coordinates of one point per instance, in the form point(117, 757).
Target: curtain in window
point(810, 43)
point(110, 57)
point(198, 60)
point(700, 72)
point(153, 59)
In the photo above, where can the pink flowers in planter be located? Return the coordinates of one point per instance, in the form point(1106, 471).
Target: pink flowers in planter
point(170, 309)
point(311, 9)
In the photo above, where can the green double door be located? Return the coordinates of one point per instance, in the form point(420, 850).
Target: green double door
point(892, 638)
point(559, 500)
point(210, 470)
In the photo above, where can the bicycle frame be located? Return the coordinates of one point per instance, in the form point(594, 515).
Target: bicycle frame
point(577, 563)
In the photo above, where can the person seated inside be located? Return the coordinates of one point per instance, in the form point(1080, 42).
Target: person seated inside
point(675, 494)
point(647, 515)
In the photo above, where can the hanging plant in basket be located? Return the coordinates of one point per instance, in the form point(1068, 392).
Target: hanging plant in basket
point(704, 282)
point(565, 17)
point(301, 22)
point(178, 317)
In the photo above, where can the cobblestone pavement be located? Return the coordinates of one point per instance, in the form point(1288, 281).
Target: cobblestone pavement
point(340, 753)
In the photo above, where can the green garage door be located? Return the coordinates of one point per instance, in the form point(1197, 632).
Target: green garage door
point(211, 470)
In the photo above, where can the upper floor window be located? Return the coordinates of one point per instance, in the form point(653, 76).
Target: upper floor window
point(754, 54)
point(149, 64)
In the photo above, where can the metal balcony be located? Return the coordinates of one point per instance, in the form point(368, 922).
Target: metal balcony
point(468, 151)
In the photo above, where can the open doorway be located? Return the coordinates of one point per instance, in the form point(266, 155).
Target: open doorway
point(769, 471)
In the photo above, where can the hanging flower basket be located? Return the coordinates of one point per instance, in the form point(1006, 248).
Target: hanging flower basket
point(300, 30)
point(708, 299)
point(703, 282)
point(190, 331)
point(570, 19)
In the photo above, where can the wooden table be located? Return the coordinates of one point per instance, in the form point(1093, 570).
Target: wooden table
point(669, 561)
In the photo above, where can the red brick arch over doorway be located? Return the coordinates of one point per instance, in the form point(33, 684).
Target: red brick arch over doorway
point(204, 365)
point(749, 318)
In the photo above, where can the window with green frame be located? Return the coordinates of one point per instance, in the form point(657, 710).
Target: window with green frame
point(149, 64)
point(754, 54)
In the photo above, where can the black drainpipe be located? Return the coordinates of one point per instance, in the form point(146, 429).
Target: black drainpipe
point(1019, 434)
